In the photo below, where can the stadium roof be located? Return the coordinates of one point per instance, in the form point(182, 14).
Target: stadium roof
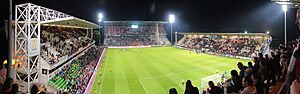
point(71, 22)
point(134, 22)
point(52, 17)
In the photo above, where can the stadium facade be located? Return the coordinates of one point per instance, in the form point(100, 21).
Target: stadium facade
point(37, 60)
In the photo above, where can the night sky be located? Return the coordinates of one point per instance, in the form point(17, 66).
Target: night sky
point(191, 15)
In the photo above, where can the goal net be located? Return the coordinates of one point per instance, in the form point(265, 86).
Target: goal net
point(216, 78)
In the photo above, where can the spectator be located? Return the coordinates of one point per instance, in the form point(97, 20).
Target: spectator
point(235, 83)
point(250, 65)
point(214, 89)
point(78, 73)
point(233, 47)
point(277, 63)
point(249, 88)
point(189, 88)
point(145, 35)
point(34, 89)
point(173, 91)
point(242, 69)
point(3, 74)
point(249, 73)
point(58, 42)
point(196, 90)
point(6, 88)
point(263, 69)
point(15, 89)
point(42, 92)
point(256, 65)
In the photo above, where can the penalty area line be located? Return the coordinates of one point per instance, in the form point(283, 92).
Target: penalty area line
point(143, 86)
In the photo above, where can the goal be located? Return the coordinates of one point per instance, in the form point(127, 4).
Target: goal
point(216, 78)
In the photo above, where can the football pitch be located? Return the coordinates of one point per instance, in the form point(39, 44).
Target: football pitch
point(156, 70)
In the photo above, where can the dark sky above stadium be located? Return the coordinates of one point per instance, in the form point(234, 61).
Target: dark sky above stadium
point(191, 15)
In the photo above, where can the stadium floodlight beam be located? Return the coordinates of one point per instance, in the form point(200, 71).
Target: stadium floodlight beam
point(284, 9)
point(100, 19)
point(171, 20)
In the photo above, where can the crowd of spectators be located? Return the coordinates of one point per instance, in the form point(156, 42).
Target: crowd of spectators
point(78, 73)
point(127, 29)
point(57, 42)
point(8, 87)
point(125, 35)
point(226, 46)
point(258, 78)
point(130, 41)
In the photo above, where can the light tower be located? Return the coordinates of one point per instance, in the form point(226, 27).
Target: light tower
point(284, 9)
point(176, 37)
point(171, 20)
point(100, 19)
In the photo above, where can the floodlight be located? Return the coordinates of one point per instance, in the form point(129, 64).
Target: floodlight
point(268, 32)
point(100, 17)
point(284, 8)
point(171, 18)
point(246, 32)
point(134, 26)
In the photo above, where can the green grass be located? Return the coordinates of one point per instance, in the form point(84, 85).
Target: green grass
point(156, 70)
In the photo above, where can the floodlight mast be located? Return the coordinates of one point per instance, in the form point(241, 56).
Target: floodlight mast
point(171, 20)
point(284, 9)
point(10, 43)
point(100, 19)
point(175, 38)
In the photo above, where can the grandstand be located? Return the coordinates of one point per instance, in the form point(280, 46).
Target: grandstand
point(47, 43)
point(74, 77)
point(238, 45)
point(134, 33)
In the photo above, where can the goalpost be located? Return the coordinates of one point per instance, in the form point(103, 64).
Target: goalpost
point(216, 78)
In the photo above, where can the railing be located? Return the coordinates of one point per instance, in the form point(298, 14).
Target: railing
point(284, 89)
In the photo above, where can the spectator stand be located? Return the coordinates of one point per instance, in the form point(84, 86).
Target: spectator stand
point(92, 79)
point(134, 33)
point(29, 20)
point(236, 45)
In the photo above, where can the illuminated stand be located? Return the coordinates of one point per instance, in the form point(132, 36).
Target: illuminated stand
point(27, 26)
point(159, 33)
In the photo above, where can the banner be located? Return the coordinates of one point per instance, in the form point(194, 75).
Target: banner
point(33, 46)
